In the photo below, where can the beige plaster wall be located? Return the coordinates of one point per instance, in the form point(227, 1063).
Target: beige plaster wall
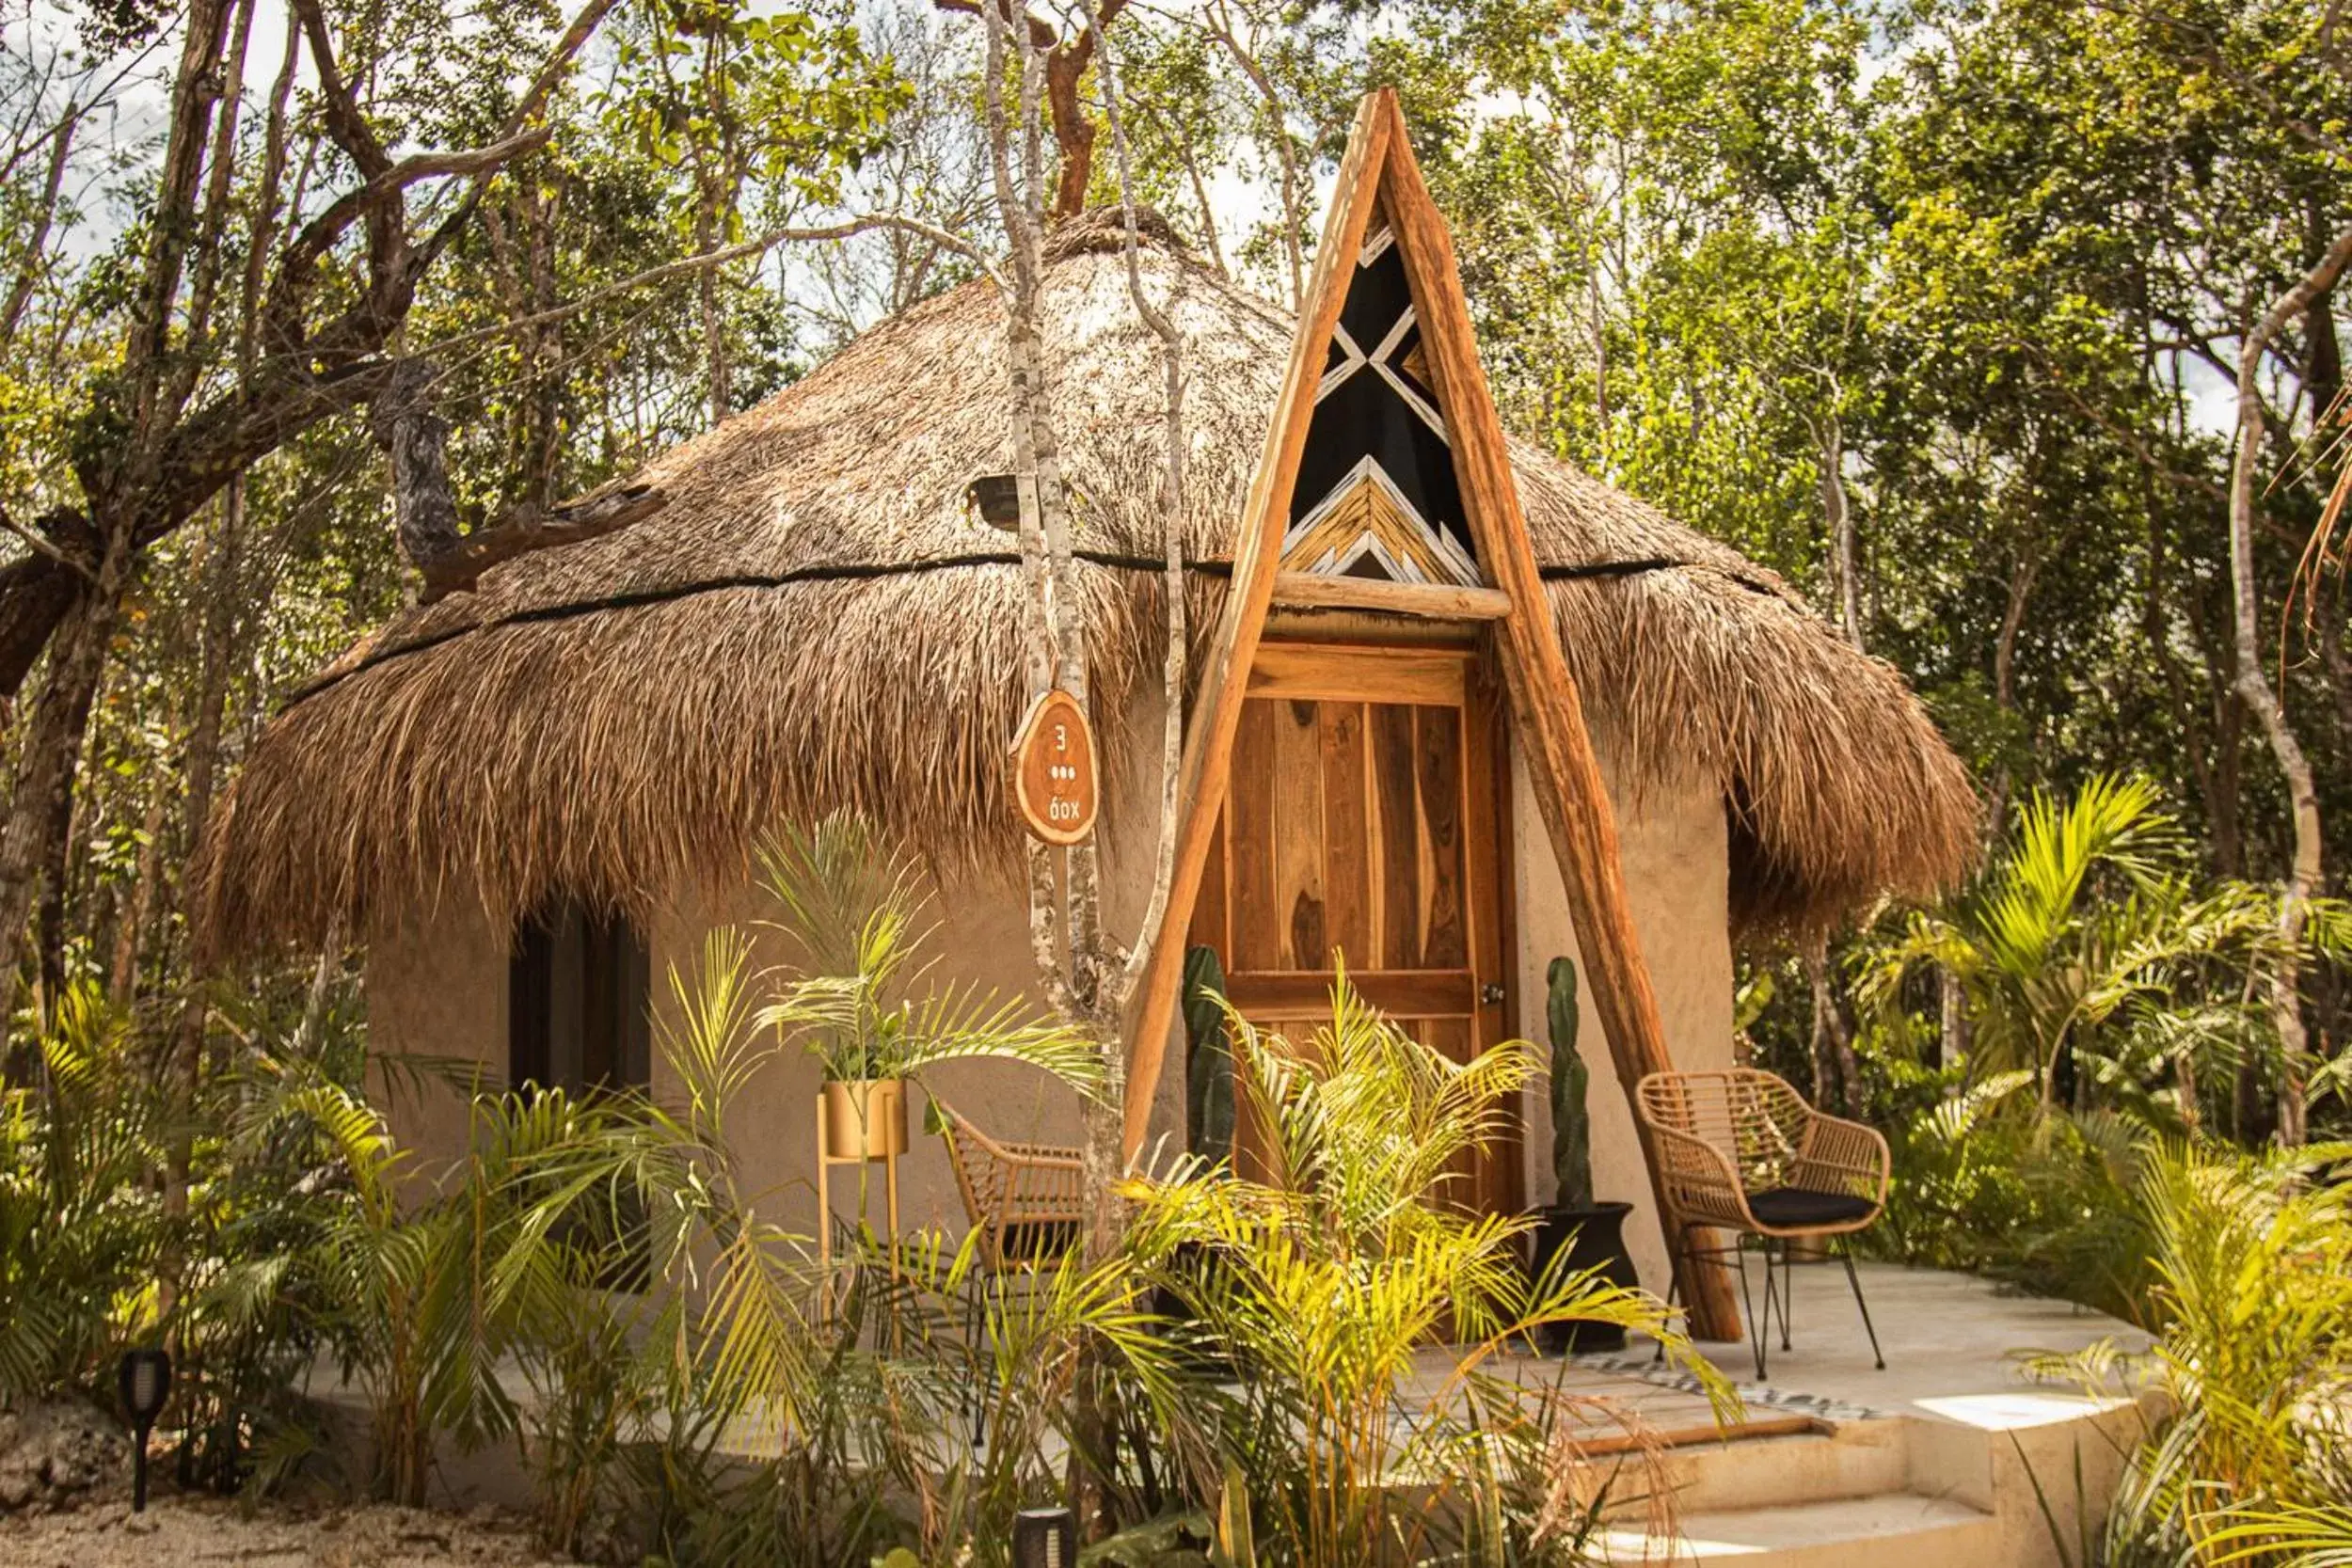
point(1672, 838)
point(436, 987)
point(437, 1017)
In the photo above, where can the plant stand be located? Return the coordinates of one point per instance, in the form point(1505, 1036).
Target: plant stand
point(879, 1115)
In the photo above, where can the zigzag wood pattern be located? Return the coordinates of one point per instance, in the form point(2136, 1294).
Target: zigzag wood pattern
point(1375, 495)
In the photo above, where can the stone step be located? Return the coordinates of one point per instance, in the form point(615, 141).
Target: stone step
point(1852, 1460)
point(1892, 1530)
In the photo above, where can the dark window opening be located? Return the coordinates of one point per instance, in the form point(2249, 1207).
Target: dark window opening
point(578, 986)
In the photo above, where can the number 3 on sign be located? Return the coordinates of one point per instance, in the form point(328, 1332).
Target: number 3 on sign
point(1052, 769)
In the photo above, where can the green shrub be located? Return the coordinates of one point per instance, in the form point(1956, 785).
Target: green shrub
point(1324, 1283)
point(2252, 1302)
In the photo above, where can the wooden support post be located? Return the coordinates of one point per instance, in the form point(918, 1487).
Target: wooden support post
point(1547, 710)
point(1216, 712)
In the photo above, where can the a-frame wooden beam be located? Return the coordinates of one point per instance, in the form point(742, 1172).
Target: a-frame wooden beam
point(1257, 558)
point(1548, 713)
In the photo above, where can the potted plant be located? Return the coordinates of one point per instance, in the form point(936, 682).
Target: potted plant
point(1590, 1234)
point(856, 999)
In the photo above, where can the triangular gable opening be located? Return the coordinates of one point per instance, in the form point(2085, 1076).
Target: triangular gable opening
point(1375, 495)
point(1385, 482)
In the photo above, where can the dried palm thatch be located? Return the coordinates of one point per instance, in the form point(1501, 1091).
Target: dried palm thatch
point(819, 619)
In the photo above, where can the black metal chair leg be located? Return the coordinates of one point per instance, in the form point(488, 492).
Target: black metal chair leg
point(1788, 1290)
point(1855, 1280)
point(1756, 1330)
point(976, 1340)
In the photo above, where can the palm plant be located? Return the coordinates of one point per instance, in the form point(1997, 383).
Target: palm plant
point(2252, 1307)
point(852, 909)
point(1327, 1279)
point(2089, 954)
point(2254, 1264)
point(845, 1414)
point(82, 1227)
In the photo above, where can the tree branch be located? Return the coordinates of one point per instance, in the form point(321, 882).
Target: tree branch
point(345, 121)
point(1042, 34)
point(319, 235)
point(530, 530)
point(741, 250)
point(557, 65)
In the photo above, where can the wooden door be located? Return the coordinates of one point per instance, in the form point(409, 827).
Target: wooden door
point(1365, 820)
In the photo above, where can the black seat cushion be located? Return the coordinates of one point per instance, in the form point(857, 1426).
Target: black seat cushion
point(1793, 1208)
point(1036, 1241)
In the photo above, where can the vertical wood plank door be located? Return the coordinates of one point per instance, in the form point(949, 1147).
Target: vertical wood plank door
point(1364, 823)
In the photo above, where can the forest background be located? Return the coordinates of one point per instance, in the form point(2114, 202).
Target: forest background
point(1957, 314)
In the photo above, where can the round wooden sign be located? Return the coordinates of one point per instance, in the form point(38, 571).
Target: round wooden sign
point(1052, 769)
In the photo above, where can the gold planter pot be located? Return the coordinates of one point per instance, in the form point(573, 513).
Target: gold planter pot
point(865, 1118)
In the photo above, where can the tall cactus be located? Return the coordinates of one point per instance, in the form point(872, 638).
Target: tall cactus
point(1571, 1126)
point(1208, 1058)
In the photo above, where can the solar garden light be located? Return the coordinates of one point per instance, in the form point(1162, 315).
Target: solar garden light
point(146, 1383)
point(1044, 1538)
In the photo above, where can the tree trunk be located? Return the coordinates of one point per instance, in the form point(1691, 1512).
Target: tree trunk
point(1599, 327)
point(2323, 356)
point(1074, 129)
point(44, 215)
point(2254, 689)
point(1836, 1074)
point(416, 442)
point(55, 883)
point(41, 800)
point(2023, 571)
point(1953, 1031)
point(131, 924)
point(1844, 564)
point(716, 364)
point(222, 595)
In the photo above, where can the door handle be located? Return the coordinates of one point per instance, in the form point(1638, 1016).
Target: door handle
point(1491, 994)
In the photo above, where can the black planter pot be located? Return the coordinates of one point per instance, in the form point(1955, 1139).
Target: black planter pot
point(1594, 1239)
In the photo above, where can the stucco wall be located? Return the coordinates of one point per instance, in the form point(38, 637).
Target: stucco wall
point(1672, 841)
point(437, 1015)
point(436, 987)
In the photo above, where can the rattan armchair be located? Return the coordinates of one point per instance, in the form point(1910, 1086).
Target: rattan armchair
point(1741, 1151)
point(1026, 1202)
point(1027, 1206)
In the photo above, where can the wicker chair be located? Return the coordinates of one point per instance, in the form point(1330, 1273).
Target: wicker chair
point(1741, 1151)
point(1026, 1202)
point(1026, 1205)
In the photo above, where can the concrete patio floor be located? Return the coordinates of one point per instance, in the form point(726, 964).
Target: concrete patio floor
point(1953, 1344)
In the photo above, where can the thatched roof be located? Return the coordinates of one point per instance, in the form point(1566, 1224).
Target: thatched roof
point(818, 619)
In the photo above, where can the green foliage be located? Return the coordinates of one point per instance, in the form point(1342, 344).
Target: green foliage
point(592, 1283)
point(1571, 1124)
point(1325, 1278)
point(2107, 994)
point(2093, 961)
point(2252, 1309)
point(1988, 1182)
point(853, 911)
point(81, 1230)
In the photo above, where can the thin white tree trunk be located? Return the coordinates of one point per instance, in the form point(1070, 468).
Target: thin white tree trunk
point(1845, 566)
point(2255, 690)
point(1106, 1130)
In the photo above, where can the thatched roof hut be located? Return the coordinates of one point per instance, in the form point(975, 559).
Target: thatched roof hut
point(818, 618)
